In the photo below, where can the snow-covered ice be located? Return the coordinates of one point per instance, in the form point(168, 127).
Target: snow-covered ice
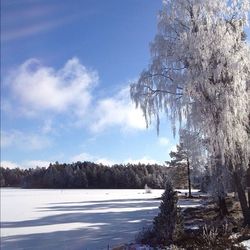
point(74, 219)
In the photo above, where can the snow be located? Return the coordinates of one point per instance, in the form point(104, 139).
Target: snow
point(246, 244)
point(75, 219)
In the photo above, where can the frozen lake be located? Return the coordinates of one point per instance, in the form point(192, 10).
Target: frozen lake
point(74, 219)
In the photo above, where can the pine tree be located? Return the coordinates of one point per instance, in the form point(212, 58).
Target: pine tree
point(180, 159)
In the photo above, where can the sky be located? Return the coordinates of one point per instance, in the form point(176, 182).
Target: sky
point(66, 67)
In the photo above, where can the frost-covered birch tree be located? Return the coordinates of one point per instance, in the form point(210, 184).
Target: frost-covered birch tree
point(200, 73)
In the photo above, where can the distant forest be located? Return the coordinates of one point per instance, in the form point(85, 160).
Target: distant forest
point(91, 175)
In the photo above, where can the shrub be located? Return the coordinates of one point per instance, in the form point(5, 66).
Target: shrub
point(165, 221)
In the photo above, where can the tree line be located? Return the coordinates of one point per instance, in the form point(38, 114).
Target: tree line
point(92, 175)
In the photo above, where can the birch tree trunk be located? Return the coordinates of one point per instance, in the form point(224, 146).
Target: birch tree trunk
point(189, 180)
point(242, 198)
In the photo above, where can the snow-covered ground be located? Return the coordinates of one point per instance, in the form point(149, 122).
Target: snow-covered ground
point(74, 219)
point(246, 244)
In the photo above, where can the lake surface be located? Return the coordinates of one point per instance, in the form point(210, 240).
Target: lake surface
point(90, 219)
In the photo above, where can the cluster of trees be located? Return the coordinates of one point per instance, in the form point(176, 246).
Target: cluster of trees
point(91, 175)
point(200, 74)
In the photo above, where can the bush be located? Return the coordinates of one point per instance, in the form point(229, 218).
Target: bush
point(165, 221)
point(167, 225)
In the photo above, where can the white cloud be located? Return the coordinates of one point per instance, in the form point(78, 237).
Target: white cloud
point(88, 157)
point(39, 88)
point(25, 164)
point(117, 111)
point(81, 157)
point(143, 160)
point(105, 161)
point(93, 158)
point(35, 163)
point(24, 141)
point(9, 164)
point(47, 93)
point(163, 141)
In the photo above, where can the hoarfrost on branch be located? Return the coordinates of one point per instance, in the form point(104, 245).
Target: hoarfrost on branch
point(200, 73)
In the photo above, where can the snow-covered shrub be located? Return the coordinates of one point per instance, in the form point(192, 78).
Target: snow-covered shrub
point(147, 189)
point(165, 221)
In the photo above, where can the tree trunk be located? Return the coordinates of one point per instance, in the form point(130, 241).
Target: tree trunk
point(189, 180)
point(248, 184)
point(223, 207)
point(221, 188)
point(242, 198)
point(222, 199)
point(248, 194)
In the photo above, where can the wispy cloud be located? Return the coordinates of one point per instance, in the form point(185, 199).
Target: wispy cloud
point(32, 29)
point(23, 141)
point(31, 19)
point(15, 14)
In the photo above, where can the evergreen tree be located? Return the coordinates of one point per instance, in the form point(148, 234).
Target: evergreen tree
point(165, 221)
point(180, 158)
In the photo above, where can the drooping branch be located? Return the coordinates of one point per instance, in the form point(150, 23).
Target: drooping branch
point(155, 91)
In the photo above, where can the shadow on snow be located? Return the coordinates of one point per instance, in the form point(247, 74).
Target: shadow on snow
point(120, 223)
point(102, 228)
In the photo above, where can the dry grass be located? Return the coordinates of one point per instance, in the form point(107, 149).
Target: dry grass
point(213, 233)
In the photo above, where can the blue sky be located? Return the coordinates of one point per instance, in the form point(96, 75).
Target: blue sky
point(65, 72)
point(66, 67)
